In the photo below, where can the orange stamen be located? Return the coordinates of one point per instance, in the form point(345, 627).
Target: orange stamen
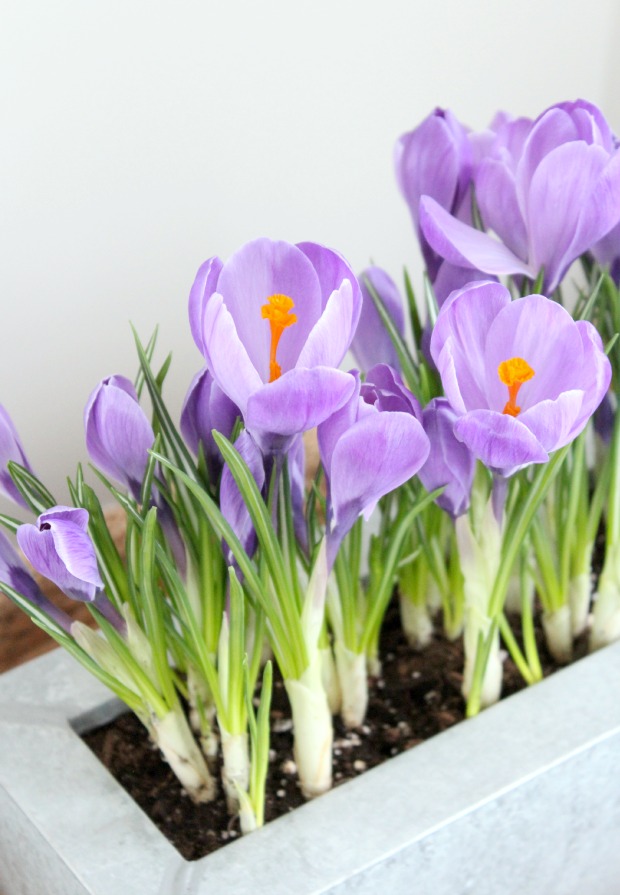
point(278, 312)
point(513, 373)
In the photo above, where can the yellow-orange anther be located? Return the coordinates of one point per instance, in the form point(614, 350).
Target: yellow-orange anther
point(278, 312)
point(513, 373)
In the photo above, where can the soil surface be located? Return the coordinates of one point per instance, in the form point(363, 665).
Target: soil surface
point(417, 696)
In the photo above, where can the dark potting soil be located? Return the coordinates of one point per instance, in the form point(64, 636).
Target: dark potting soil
point(417, 696)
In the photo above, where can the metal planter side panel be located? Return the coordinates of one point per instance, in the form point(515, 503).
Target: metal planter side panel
point(524, 798)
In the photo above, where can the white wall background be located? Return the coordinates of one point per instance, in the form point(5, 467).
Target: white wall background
point(139, 138)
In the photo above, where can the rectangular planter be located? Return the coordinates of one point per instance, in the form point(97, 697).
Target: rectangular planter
point(523, 799)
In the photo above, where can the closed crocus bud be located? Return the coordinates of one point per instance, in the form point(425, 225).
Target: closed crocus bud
point(522, 376)
point(549, 197)
point(372, 344)
point(368, 449)
point(274, 322)
point(205, 408)
point(10, 449)
point(450, 464)
point(59, 547)
point(14, 573)
point(435, 159)
point(118, 434)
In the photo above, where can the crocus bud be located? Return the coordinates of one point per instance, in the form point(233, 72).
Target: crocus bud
point(10, 449)
point(14, 573)
point(118, 434)
point(59, 547)
point(205, 408)
point(372, 344)
point(450, 462)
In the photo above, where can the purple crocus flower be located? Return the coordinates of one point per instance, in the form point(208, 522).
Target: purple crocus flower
point(369, 447)
point(14, 573)
point(372, 344)
point(522, 376)
point(205, 408)
point(10, 449)
point(450, 462)
point(607, 252)
point(435, 159)
point(273, 323)
point(118, 434)
point(549, 204)
point(59, 547)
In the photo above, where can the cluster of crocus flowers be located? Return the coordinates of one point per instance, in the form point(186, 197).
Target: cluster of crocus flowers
point(468, 447)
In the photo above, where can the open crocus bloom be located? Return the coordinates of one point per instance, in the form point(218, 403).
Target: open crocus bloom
point(522, 376)
point(549, 198)
point(273, 323)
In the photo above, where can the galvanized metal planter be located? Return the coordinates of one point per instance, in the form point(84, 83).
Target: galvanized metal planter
point(523, 799)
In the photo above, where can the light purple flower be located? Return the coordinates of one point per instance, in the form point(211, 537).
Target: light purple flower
point(435, 159)
point(14, 573)
point(549, 200)
point(118, 434)
point(59, 547)
point(10, 449)
point(522, 376)
point(372, 344)
point(273, 323)
point(369, 447)
point(450, 462)
point(607, 252)
point(205, 408)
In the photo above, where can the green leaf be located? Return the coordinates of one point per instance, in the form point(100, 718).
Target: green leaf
point(34, 492)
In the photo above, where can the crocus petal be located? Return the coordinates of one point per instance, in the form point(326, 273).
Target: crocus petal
point(14, 573)
point(40, 550)
point(75, 550)
point(450, 463)
point(464, 246)
point(496, 194)
point(10, 449)
point(601, 212)
point(372, 343)
point(595, 371)
point(385, 389)
point(205, 408)
point(332, 270)
point(203, 288)
point(333, 427)
point(552, 422)
point(451, 278)
point(499, 440)
point(226, 356)
point(331, 336)
point(298, 400)
point(376, 455)
point(458, 342)
point(561, 185)
point(233, 506)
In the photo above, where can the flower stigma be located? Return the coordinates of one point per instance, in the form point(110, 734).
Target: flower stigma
point(278, 312)
point(513, 373)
